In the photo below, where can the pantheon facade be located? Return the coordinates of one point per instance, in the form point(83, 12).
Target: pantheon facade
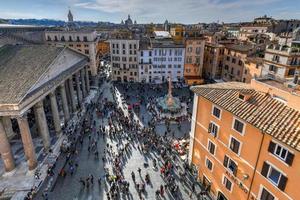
point(41, 87)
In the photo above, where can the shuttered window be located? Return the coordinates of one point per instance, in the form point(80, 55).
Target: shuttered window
point(235, 145)
point(211, 147)
point(213, 129)
point(274, 176)
point(230, 165)
point(282, 153)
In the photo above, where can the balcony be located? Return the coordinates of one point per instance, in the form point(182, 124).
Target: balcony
point(286, 50)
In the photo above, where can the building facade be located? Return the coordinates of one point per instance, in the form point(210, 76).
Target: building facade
point(281, 61)
point(193, 64)
point(234, 62)
point(243, 144)
point(213, 60)
point(124, 59)
point(60, 80)
point(146, 71)
point(84, 42)
point(168, 60)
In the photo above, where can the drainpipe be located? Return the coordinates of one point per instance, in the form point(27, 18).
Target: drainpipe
point(258, 156)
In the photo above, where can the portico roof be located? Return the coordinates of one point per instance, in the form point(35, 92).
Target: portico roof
point(27, 69)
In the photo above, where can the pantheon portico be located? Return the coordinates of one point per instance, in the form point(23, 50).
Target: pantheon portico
point(30, 77)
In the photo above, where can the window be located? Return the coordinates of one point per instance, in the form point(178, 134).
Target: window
point(265, 195)
point(216, 112)
point(230, 164)
point(85, 39)
point(86, 51)
point(238, 126)
point(282, 153)
point(227, 183)
point(273, 68)
point(198, 50)
point(274, 176)
point(213, 129)
point(211, 147)
point(208, 164)
point(234, 145)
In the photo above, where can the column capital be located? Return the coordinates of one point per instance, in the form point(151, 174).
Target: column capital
point(52, 94)
point(39, 104)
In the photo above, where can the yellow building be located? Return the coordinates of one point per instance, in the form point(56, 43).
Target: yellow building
point(177, 33)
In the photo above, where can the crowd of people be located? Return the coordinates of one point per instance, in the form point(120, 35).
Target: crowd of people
point(123, 132)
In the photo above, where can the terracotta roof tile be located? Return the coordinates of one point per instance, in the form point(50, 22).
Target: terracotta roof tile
point(261, 110)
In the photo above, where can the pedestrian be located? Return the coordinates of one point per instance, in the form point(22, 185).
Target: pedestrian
point(82, 182)
point(192, 189)
point(91, 178)
point(139, 171)
point(161, 190)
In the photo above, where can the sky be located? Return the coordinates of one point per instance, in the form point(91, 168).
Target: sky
point(146, 11)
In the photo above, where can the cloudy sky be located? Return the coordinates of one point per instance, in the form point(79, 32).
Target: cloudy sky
point(182, 11)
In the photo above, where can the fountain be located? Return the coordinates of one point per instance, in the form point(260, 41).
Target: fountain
point(168, 103)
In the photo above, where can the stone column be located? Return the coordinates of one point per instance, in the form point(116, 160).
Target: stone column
point(42, 123)
point(72, 94)
point(64, 102)
point(87, 80)
point(55, 113)
point(79, 93)
point(83, 83)
point(5, 150)
point(27, 142)
point(68, 96)
point(8, 126)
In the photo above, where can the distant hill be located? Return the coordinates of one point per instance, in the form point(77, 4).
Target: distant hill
point(3, 21)
point(46, 22)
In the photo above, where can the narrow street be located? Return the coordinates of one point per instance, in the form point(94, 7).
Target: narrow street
point(70, 187)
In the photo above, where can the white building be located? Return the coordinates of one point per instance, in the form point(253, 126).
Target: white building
point(162, 59)
point(145, 61)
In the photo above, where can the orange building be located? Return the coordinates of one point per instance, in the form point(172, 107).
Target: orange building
point(193, 63)
point(253, 68)
point(245, 143)
point(234, 62)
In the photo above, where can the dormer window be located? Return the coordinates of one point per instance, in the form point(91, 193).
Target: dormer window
point(244, 96)
point(241, 96)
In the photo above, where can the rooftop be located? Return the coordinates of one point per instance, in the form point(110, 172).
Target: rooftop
point(162, 34)
point(166, 43)
point(261, 110)
point(22, 66)
point(239, 47)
